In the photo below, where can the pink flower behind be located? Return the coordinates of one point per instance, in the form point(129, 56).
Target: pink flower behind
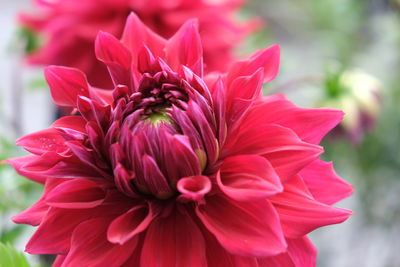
point(69, 28)
point(176, 169)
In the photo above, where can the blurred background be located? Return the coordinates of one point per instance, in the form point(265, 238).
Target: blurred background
point(337, 53)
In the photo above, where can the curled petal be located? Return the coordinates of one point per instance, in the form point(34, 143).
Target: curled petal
point(195, 187)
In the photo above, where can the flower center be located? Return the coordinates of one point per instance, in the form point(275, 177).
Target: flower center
point(160, 91)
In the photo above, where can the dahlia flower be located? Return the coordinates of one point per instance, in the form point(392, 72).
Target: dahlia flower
point(174, 168)
point(69, 28)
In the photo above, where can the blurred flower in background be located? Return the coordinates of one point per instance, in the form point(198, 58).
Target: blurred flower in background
point(359, 95)
point(62, 32)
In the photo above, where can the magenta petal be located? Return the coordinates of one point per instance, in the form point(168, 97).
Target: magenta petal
point(66, 84)
point(76, 194)
point(131, 223)
point(248, 177)
point(90, 247)
point(185, 48)
point(300, 213)
point(250, 229)
point(182, 243)
point(324, 183)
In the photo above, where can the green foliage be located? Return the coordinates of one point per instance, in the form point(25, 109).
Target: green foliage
point(31, 39)
point(10, 257)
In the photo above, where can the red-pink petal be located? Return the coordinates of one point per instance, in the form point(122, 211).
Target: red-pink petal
point(19, 163)
point(90, 247)
point(116, 56)
point(248, 177)
point(300, 253)
point(185, 48)
point(287, 153)
point(250, 229)
point(300, 213)
point(43, 141)
point(173, 241)
point(265, 58)
point(324, 183)
point(136, 35)
point(66, 84)
point(76, 194)
point(311, 125)
point(131, 223)
point(76, 123)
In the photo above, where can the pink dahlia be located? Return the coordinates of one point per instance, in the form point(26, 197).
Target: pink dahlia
point(69, 29)
point(176, 169)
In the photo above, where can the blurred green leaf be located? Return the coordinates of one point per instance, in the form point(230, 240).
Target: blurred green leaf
point(10, 257)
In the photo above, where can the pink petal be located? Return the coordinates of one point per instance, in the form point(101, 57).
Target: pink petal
point(116, 56)
point(66, 84)
point(323, 182)
point(287, 153)
point(173, 241)
point(194, 187)
point(248, 177)
point(131, 223)
point(250, 229)
point(265, 58)
point(185, 48)
point(300, 213)
point(43, 141)
point(311, 125)
point(90, 247)
point(76, 194)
